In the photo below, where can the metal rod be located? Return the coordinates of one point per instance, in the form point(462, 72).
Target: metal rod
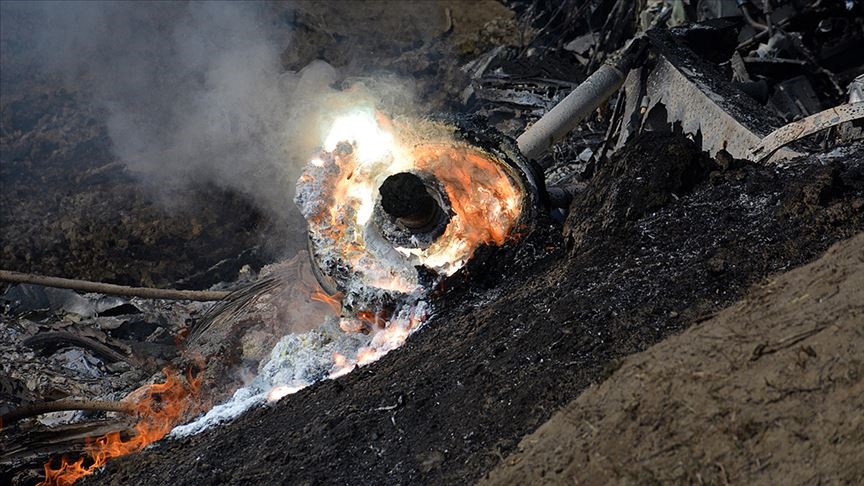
point(586, 97)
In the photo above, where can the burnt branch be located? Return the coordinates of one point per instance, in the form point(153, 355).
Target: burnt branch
point(111, 289)
point(35, 409)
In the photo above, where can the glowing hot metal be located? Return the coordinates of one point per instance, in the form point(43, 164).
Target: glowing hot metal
point(464, 196)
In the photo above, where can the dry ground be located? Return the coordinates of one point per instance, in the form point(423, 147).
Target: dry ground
point(769, 391)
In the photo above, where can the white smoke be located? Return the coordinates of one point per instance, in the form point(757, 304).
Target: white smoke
point(193, 92)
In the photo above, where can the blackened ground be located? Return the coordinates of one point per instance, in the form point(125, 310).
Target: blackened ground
point(545, 319)
point(69, 208)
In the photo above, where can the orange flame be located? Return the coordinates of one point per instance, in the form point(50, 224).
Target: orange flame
point(484, 193)
point(159, 407)
point(485, 199)
point(334, 301)
point(375, 320)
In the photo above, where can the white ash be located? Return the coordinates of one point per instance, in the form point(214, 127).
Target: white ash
point(242, 400)
point(80, 362)
point(299, 360)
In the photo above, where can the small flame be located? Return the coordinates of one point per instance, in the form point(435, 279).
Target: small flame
point(341, 366)
point(159, 408)
point(373, 319)
point(392, 335)
point(278, 392)
point(339, 360)
point(334, 301)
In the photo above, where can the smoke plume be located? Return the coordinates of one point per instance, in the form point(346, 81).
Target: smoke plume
point(191, 92)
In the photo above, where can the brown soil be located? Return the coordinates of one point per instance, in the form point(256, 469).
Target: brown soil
point(768, 392)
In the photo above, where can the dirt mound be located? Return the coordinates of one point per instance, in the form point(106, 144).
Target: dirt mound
point(661, 167)
point(767, 392)
point(533, 327)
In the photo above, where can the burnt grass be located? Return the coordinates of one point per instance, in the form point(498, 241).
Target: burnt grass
point(662, 238)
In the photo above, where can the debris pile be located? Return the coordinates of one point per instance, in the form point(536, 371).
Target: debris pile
point(726, 75)
point(73, 363)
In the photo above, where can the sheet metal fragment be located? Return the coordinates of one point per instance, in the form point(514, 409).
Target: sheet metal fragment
point(787, 134)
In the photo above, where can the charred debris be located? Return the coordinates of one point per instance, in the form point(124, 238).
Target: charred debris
point(728, 92)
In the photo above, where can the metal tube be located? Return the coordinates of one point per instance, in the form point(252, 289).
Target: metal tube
point(593, 92)
point(567, 114)
point(404, 197)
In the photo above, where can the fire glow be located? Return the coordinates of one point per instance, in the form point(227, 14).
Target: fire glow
point(338, 193)
point(159, 407)
point(393, 335)
point(378, 298)
point(385, 336)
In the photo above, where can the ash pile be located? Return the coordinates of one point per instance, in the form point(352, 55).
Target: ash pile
point(695, 139)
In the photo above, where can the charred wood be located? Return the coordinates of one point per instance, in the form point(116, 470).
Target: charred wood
point(61, 338)
point(35, 409)
point(111, 289)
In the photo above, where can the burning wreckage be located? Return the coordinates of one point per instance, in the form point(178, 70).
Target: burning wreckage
point(399, 207)
point(392, 212)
